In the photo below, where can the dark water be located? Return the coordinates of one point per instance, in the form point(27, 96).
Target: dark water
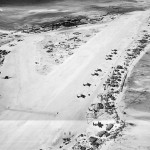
point(35, 2)
point(16, 13)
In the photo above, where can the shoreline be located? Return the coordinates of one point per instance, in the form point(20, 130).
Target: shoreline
point(133, 124)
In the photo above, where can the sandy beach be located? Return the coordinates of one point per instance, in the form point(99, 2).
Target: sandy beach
point(78, 87)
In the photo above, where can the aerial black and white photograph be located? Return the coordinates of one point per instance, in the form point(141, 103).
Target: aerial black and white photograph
point(74, 74)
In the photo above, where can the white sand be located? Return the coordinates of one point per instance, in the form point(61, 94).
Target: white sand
point(57, 91)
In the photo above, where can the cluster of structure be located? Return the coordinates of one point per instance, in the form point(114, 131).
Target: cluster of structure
point(112, 88)
point(102, 130)
point(93, 142)
point(109, 57)
point(6, 38)
point(3, 53)
point(66, 22)
point(95, 73)
point(57, 48)
point(135, 52)
point(3, 35)
point(67, 45)
point(61, 23)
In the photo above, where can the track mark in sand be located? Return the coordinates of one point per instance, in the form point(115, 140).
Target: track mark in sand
point(30, 111)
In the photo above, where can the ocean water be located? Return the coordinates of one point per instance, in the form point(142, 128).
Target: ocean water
point(16, 13)
point(36, 2)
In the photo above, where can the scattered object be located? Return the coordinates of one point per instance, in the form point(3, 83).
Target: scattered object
point(81, 96)
point(92, 139)
point(6, 77)
point(100, 124)
point(98, 70)
point(87, 84)
point(95, 74)
point(101, 133)
point(109, 127)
